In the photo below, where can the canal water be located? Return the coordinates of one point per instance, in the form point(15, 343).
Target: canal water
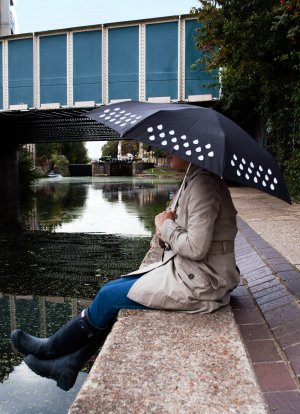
point(73, 235)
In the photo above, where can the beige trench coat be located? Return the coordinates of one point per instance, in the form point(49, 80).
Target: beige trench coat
point(199, 271)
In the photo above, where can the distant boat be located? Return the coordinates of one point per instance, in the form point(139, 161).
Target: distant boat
point(53, 174)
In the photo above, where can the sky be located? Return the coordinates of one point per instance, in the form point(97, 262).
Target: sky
point(41, 15)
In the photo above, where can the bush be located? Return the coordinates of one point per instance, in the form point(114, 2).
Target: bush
point(26, 172)
point(61, 164)
point(292, 175)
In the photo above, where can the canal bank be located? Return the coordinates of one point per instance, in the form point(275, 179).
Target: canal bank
point(243, 358)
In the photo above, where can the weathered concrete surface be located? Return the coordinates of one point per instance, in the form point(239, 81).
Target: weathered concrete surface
point(166, 362)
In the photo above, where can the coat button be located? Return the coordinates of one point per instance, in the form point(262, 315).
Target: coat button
point(191, 276)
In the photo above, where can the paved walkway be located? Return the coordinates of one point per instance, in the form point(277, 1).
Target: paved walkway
point(244, 358)
point(266, 305)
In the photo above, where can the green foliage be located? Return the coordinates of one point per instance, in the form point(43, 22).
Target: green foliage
point(26, 171)
point(292, 175)
point(156, 152)
point(74, 152)
point(61, 163)
point(110, 148)
point(255, 43)
point(127, 146)
point(45, 150)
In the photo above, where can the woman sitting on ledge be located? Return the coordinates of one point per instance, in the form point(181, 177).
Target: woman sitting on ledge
point(196, 274)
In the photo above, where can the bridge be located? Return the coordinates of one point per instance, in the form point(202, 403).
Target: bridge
point(48, 79)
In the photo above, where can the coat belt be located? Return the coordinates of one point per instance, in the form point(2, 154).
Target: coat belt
point(221, 247)
point(216, 247)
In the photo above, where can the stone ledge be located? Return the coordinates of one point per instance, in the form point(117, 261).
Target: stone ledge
point(171, 362)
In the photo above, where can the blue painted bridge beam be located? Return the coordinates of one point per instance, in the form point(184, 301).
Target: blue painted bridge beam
point(85, 66)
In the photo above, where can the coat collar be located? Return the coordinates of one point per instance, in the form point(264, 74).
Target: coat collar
point(194, 170)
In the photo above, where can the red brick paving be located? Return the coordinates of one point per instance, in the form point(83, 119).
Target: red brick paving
point(290, 339)
point(266, 309)
point(274, 376)
point(263, 350)
point(255, 331)
point(283, 402)
point(287, 329)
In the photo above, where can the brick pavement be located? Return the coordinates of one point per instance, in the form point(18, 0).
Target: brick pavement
point(266, 308)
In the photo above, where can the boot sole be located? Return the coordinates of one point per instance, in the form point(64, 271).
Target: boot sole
point(63, 381)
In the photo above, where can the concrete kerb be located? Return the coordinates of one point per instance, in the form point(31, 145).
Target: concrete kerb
point(170, 362)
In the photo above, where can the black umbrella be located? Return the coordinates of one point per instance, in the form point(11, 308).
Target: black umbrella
point(199, 135)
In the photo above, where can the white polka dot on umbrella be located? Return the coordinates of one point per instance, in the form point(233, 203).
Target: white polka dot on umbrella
point(180, 142)
point(253, 172)
point(114, 117)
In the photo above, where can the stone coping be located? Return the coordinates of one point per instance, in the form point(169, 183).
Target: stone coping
point(167, 362)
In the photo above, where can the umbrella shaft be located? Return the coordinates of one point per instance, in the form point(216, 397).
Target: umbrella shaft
point(175, 200)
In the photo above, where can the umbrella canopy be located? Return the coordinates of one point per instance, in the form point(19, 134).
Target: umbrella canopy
point(199, 135)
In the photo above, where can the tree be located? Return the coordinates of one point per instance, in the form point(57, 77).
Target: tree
point(44, 151)
point(26, 171)
point(74, 152)
point(255, 43)
point(127, 146)
point(110, 148)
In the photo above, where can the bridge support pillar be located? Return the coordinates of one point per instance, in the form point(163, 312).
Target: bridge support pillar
point(9, 166)
point(9, 190)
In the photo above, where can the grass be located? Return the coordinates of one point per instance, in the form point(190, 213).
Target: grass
point(161, 171)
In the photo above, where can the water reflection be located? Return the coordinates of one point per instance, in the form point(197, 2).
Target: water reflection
point(41, 316)
point(26, 393)
point(114, 205)
point(76, 235)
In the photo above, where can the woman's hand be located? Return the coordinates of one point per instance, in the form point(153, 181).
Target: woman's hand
point(160, 218)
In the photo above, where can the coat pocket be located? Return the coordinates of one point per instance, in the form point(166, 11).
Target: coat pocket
point(195, 279)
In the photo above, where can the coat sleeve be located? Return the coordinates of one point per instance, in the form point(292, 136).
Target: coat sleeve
point(203, 198)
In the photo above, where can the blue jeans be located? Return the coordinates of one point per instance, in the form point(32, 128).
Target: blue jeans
point(110, 299)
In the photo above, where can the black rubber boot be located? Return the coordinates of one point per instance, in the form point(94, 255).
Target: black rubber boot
point(64, 370)
point(69, 338)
